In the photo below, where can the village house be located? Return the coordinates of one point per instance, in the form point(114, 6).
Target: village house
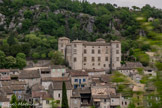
point(49, 80)
point(79, 79)
point(55, 90)
point(81, 98)
point(101, 95)
point(58, 71)
point(31, 77)
point(4, 102)
point(5, 75)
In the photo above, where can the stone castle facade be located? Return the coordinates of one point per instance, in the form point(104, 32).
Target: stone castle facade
point(84, 55)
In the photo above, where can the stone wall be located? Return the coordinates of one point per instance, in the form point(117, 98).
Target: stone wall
point(39, 63)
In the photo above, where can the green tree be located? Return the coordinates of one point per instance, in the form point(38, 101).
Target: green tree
point(57, 58)
point(53, 103)
point(36, 55)
point(64, 96)
point(131, 105)
point(2, 59)
point(10, 62)
point(21, 60)
point(11, 40)
point(13, 102)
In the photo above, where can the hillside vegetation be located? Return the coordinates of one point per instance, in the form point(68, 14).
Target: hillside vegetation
point(32, 27)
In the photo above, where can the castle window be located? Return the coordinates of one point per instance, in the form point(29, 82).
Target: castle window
point(99, 51)
point(85, 51)
point(117, 45)
point(75, 59)
point(75, 45)
point(85, 59)
point(93, 51)
point(117, 51)
point(107, 51)
point(117, 58)
point(93, 64)
point(75, 51)
point(106, 59)
point(104, 65)
point(99, 58)
point(98, 64)
point(93, 59)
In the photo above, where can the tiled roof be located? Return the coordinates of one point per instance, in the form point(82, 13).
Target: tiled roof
point(37, 87)
point(4, 98)
point(55, 79)
point(29, 74)
point(7, 89)
point(8, 83)
point(57, 67)
point(17, 87)
point(96, 44)
point(58, 85)
point(4, 70)
point(38, 94)
point(95, 70)
point(78, 73)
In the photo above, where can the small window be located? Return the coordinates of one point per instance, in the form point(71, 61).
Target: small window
point(61, 45)
point(104, 100)
point(85, 51)
point(76, 80)
point(82, 86)
point(106, 59)
point(99, 51)
point(93, 59)
point(98, 64)
point(84, 80)
point(75, 51)
point(62, 50)
point(117, 51)
point(104, 65)
point(93, 51)
point(125, 103)
point(85, 59)
point(93, 64)
point(75, 45)
point(75, 59)
point(117, 45)
point(107, 51)
point(99, 58)
point(59, 95)
point(75, 86)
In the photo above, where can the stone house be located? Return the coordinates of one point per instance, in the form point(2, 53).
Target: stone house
point(114, 100)
point(31, 77)
point(58, 71)
point(4, 102)
point(14, 87)
point(55, 90)
point(49, 80)
point(149, 71)
point(101, 95)
point(91, 55)
point(79, 79)
point(81, 98)
point(5, 75)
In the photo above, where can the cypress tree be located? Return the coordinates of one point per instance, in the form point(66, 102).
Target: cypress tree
point(13, 101)
point(64, 96)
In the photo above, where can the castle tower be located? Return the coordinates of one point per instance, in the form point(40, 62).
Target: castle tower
point(62, 43)
point(115, 54)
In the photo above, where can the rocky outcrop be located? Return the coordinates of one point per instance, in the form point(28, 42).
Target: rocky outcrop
point(86, 21)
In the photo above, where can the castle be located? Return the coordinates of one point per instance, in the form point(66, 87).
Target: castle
point(84, 55)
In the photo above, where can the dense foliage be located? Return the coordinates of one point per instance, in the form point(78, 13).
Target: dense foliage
point(32, 27)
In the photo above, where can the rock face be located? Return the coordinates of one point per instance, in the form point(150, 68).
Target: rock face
point(86, 21)
point(2, 19)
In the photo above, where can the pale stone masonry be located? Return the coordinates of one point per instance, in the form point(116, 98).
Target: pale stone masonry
point(83, 55)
